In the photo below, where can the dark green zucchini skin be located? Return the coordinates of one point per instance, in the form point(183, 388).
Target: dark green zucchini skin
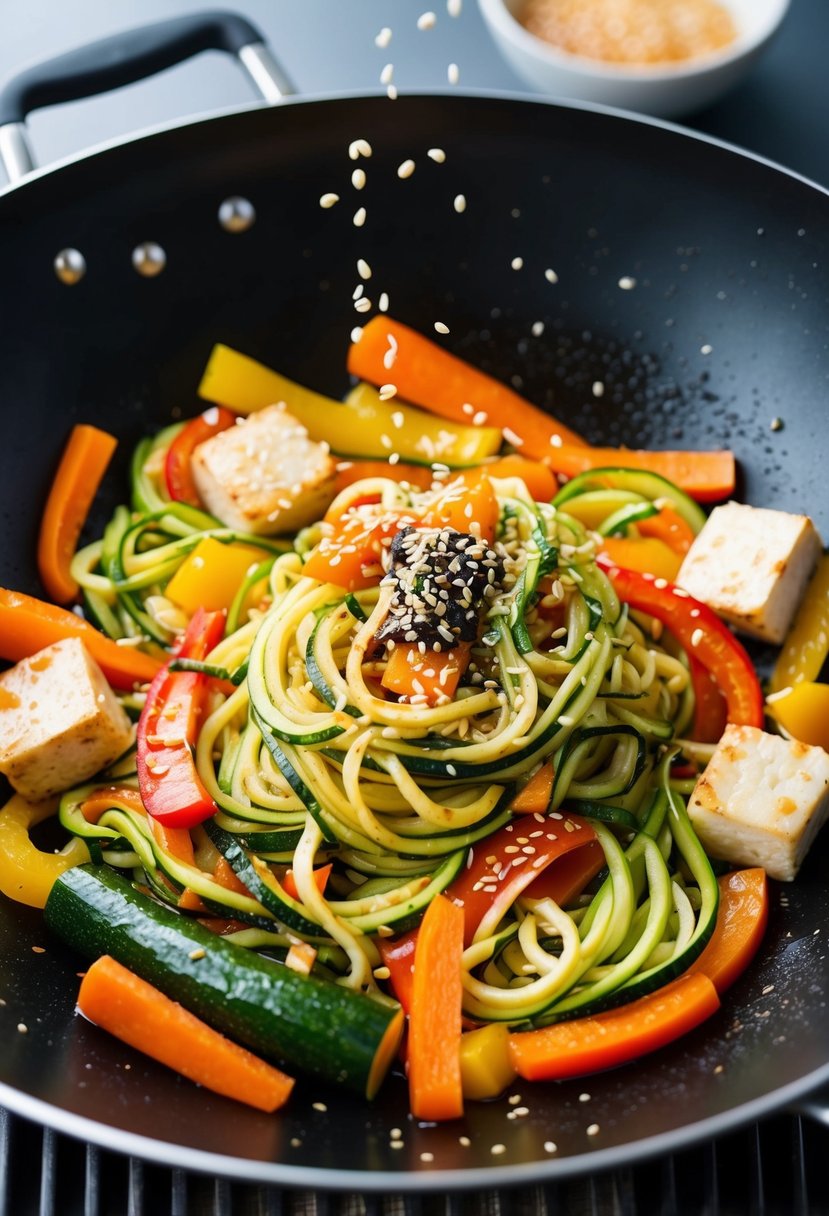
point(300, 1021)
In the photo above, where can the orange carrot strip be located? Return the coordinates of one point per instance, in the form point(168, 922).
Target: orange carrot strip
point(534, 798)
point(189, 901)
point(84, 461)
point(406, 667)
point(225, 876)
point(435, 1090)
point(537, 477)
point(431, 377)
point(706, 476)
point(176, 841)
point(146, 1019)
point(669, 527)
point(320, 878)
point(572, 1049)
point(94, 805)
point(28, 625)
point(741, 922)
point(349, 471)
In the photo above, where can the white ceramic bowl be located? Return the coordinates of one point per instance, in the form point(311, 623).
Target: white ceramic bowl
point(665, 91)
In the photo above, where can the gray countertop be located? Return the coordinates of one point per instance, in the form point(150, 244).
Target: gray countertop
point(328, 46)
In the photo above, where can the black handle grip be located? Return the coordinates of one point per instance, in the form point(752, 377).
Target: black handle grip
point(122, 59)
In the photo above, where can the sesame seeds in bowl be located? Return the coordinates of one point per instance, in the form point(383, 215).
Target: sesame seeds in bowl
point(664, 89)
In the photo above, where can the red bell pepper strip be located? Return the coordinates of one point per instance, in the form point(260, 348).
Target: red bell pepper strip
point(500, 868)
point(171, 788)
point(710, 709)
point(701, 632)
point(178, 474)
point(742, 916)
point(572, 1049)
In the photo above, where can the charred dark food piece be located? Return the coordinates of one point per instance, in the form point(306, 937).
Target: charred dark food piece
point(441, 579)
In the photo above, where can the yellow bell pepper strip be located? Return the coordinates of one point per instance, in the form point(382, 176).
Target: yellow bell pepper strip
point(178, 474)
point(364, 426)
point(805, 649)
point(170, 786)
point(803, 711)
point(82, 466)
point(486, 1065)
point(647, 554)
point(26, 872)
point(572, 1049)
point(435, 1090)
point(28, 625)
point(210, 575)
point(701, 632)
point(705, 476)
point(443, 384)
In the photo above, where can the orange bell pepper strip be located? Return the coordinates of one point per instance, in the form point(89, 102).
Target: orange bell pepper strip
point(742, 917)
point(705, 476)
point(702, 634)
point(492, 880)
point(170, 786)
point(321, 876)
point(82, 466)
point(429, 376)
point(178, 473)
point(466, 503)
point(28, 625)
point(350, 471)
point(138, 1014)
point(108, 796)
point(648, 555)
point(670, 527)
point(592, 1044)
point(435, 1021)
point(534, 797)
point(434, 675)
point(349, 556)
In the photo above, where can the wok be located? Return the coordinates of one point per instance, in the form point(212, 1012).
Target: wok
point(727, 251)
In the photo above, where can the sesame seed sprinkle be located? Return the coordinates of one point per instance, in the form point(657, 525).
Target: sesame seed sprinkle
point(427, 21)
point(453, 73)
point(453, 7)
point(537, 329)
point(356, 333)
point(498, 1149)
point(358, 148)
point(387, 391)
point(363, 304)
point(329, 200)
point(383, 302)
point(627, 282)
point(387, 74)
point(358, 179)
point(363, 268)
point(391, 92)
point(383, 38)
point(441, 328)
point(437, 155)
point(460, 203)
point(359, 217)
point(406, 169)
point(517, 263)
point(550, 275)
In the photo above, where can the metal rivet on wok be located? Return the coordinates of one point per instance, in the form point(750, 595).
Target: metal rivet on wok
point(149, 259)
point(237, 214)
point(70, 266)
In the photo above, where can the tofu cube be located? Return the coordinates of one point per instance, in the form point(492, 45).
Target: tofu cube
point(761, 801)
point(60, 722)
point(751, 565)
point(264, 475)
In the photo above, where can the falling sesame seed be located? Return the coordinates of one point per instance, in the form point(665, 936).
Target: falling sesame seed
point(453, 73)
point(396, 1144)
point(593, 1129)
point(356, 333)
point(329, 200)
point(363, 304)
point(627, 282)
point(358, 179)
point(517, 263)
point(383, 303)
point(358, 148)
point(359, 217)
point(511, 437)
point(550, 1146)
point(584, 1097)
point(320, 1106)
point(383, 38)
point(451, 770)
point(706, 349)
point(391, 354)
point(387, 74)
point(396, 1134)
point(427, 21)
point(480, 418)
point(550, 275)
point(497, 1149)
point(460, 203)
point(357, 292)
point(391, 92)
point(427, 1157)
point(363, 268)
point(406, 169)
point(598, 388)
point(22, 1027)
point(453, 7)
point(464, 1141)
point(387, 391)
point(437, 155)
point(441, 328)
point(537, 329)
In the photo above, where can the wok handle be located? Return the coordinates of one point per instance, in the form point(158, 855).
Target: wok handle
point(123, 59)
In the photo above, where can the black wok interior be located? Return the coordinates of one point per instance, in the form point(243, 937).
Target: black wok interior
point(726, 252)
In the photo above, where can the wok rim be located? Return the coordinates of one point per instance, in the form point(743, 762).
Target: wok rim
point(274, 1173)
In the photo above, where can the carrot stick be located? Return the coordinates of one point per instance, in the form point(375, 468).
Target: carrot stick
point(320, 878)
point(176, 841)
point(225, 876)
point(138, 1014)
point(741, 923)
point(571, 1049)
point(435, 674)
point(103, 799)
point(669, 526)
point(429, 376)
point(28, 625)
point(349, 471)
point(537, 477)
point(534, 798)
point(435, 1090)
point(706, 476)
point(84, 461)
